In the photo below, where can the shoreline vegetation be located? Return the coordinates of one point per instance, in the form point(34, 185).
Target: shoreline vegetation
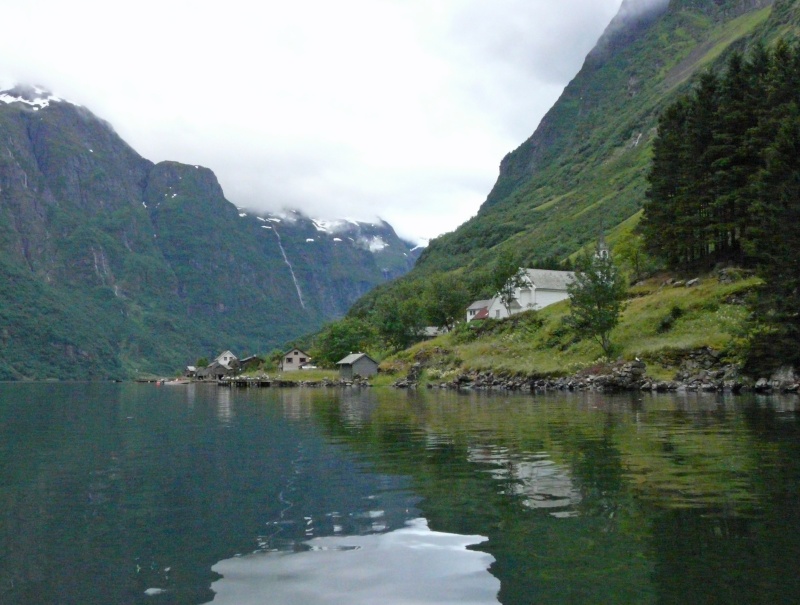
point(675, 335)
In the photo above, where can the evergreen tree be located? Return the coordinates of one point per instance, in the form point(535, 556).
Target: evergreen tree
point(725, 185)
point(775, 243)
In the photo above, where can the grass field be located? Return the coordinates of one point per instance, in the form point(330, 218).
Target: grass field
point(660, 319)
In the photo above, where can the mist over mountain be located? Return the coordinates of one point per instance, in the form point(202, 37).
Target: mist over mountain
point(112, 265)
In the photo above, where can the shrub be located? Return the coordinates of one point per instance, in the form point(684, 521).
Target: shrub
point(666, 323)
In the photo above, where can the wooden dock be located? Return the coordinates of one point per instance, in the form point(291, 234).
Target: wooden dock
point(244, 383)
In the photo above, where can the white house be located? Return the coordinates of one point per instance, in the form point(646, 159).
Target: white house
point(225, 364)
point(226, 358)
point(541, 288)
point(475, 308)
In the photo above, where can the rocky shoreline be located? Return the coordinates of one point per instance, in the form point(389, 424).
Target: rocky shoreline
point(698, 371)
point(283, 383)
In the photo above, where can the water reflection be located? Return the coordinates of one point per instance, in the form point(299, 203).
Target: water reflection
point(114, 493)
point(224, 406)
point(541, 482)
point(408, 566)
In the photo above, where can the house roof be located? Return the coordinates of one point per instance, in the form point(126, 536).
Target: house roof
point(550, 280)
point(226, 354)
point(214, 365)
point(479, 304)
point(354, 357)
point(298, 350)
point(482, 314)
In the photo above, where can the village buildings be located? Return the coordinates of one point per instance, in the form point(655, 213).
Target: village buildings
point(225, 364)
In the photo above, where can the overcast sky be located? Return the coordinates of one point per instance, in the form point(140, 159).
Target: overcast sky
point(400, 109)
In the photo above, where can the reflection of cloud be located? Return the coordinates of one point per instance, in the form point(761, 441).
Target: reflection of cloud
point(409, 566)
point(540, 481)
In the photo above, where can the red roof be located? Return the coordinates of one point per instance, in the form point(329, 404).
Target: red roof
point(482, 314)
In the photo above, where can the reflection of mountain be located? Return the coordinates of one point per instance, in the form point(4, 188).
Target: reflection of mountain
point(116, 489)
point(540, 481)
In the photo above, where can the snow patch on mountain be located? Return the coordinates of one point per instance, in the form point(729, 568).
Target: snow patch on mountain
point(33, 96)
point(374, 244)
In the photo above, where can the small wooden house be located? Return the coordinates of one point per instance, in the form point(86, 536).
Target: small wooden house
point(225, 364)
point(294, 360)
point(357, 364)
point(250, 363)
point(215, 371)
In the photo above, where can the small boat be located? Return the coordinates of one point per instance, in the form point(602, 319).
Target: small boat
point(176, 381)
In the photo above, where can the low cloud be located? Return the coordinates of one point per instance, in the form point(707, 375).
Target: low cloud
point(360, 108)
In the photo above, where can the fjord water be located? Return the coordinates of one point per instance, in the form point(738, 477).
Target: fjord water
point(127, 493)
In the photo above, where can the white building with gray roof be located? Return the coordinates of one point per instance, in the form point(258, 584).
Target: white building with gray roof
point(541, 288)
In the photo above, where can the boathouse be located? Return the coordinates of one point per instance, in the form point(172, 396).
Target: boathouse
point(357, 364)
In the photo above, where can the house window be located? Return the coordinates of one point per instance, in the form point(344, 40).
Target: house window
point(288, 360)
point(497, 313)
point(302, 360)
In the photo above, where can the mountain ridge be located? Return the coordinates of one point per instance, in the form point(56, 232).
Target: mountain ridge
point(97, 235)
point(582, 170)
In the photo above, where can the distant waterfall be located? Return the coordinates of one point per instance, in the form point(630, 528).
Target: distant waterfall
point(288, 264)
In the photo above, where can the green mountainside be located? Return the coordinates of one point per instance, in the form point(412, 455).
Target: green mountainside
point(111, 265)
point(583, 170)
point(583, 173)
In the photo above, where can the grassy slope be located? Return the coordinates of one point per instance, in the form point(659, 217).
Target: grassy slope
point(538, 343)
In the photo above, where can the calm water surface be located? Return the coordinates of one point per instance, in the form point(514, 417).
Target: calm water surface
point(117, 494)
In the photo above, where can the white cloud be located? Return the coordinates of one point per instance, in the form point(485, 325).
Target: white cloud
point(396, 108)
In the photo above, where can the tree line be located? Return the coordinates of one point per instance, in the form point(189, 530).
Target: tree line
point(724, 184)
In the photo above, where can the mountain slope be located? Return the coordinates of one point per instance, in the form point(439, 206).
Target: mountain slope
point(583, 170)
point(111, 264)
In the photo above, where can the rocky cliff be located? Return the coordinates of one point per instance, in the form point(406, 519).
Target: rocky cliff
point(111, 265)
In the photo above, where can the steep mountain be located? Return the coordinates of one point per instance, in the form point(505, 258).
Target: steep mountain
point(110, 264)
point(583, 170)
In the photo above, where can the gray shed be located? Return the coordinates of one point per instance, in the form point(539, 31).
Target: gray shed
point(359, 364)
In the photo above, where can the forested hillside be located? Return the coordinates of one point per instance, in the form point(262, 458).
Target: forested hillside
point(111, 265)
point(725, 182)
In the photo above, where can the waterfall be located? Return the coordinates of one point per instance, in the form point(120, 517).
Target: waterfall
point(288, 264)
